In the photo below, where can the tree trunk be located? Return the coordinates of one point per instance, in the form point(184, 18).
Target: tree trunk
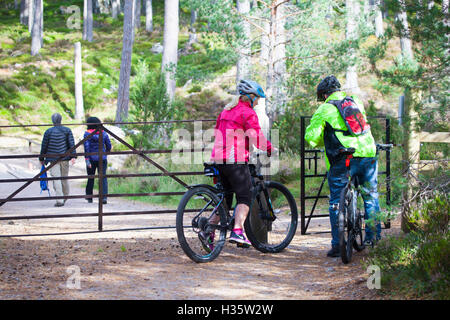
point(87, 21)
point(115, 8)
point(30, 4)
point(192, 30)
point(353, 11)
point(79, 108)
point(24, 12)
point(41, 26)
point(170, 53)
point(411, 140)
point(36, 31)
point(405, 38)
point(379, 29)
point(445, 4)
point(280, 95)
point(148, 16)
point(243, 63)
point(411, 154)
point(137, 18)
point(101, 6)
point(264, 54)
point(275, 57)
point(125, 66)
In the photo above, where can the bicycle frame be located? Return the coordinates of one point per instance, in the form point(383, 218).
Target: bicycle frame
point(258, 184)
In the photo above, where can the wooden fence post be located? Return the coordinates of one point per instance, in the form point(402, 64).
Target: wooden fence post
point(79, 107)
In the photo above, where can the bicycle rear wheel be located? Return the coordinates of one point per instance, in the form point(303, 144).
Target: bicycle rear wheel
point(267, 235)
point(195, 226)
point(345, 224)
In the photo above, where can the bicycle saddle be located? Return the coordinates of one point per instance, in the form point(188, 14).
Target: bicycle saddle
point(347, 151)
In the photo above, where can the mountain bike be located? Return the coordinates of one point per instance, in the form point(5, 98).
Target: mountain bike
point(203, 217)
point(350, 214)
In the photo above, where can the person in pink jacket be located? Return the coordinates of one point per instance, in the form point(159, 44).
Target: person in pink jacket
point(237, 128)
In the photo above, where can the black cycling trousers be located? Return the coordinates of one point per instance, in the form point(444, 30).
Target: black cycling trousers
point(91, 171)
point(236, 178)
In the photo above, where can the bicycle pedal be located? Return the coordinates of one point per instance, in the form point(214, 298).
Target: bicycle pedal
point(241, 245)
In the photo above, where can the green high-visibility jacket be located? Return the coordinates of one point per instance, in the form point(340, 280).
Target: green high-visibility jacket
point(322, 131)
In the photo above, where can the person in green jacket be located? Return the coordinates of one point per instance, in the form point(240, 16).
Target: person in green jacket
point(328, 129)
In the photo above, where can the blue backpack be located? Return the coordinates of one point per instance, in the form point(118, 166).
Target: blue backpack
point(44, 183)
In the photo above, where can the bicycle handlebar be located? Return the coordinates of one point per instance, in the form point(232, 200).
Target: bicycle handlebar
point(384, 147)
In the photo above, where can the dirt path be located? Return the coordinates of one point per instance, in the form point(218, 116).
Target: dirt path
point(150, 264)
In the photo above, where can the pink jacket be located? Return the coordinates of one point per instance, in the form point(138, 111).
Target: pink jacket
point(235, 131)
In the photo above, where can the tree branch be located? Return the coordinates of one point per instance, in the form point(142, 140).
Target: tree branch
point(290, 15)
point(265, 4)
point(279, 4)
point(250, 22)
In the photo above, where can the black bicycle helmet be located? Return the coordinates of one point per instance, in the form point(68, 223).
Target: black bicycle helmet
point(327, 86)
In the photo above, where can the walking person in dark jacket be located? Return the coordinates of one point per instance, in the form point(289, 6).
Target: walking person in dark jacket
point(57, 140)
point(92, 162)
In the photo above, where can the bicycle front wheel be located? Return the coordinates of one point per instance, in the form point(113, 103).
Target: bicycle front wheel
point(358, 244)
point(201, 224)
point(272, 233)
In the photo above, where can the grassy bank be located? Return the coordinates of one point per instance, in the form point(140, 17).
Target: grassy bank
point(415, 265)
point(32, 88)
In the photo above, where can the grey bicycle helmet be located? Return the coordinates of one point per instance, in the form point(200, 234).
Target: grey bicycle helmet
point(246, 87)
point(327, 86)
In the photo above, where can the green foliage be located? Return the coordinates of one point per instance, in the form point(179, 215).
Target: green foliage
point(427, 70)
point(151, 103)
point(417, 264)
point(203, 66)
point(39, 86)
point(288, 124)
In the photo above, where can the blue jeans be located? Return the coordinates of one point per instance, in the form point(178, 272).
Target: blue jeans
point(366, 169)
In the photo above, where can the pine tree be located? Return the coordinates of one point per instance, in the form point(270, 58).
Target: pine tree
point(170, 44)
point(88, 21)
point(125, 66)
point(37, 30)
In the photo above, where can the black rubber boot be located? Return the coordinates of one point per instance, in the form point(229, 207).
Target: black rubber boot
point(334, 252)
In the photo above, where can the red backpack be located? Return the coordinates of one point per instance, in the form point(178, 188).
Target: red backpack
point(352, 115)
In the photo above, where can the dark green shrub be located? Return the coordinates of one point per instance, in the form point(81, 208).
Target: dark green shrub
point(416, 264)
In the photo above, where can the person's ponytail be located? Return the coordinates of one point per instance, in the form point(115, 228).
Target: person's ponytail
point(233, 103)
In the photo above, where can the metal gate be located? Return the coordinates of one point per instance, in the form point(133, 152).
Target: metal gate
point(312, 155)
point(100, 212)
